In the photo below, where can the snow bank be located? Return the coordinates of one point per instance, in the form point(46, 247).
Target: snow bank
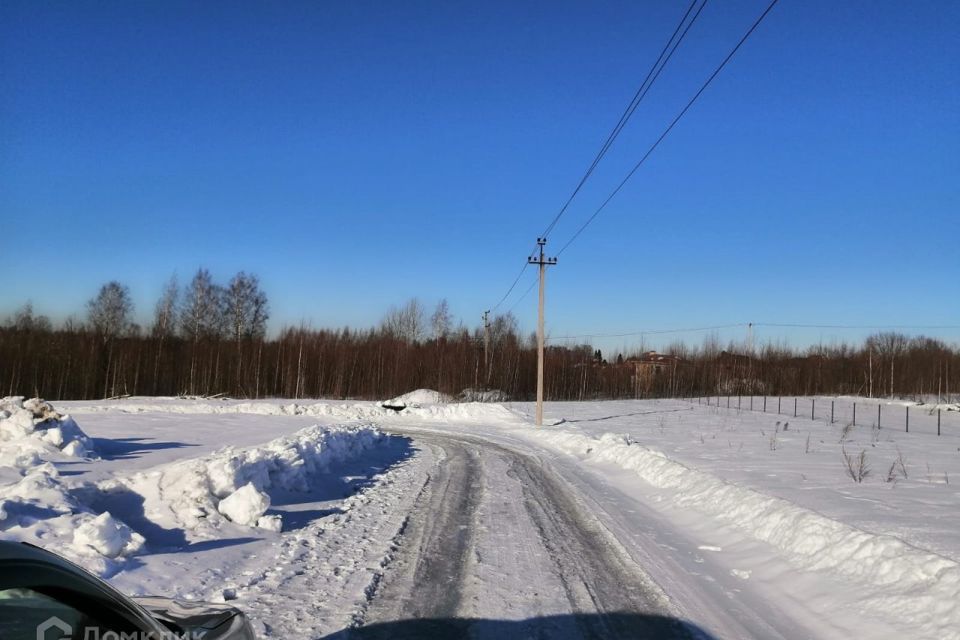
point(440, 410)
point(32, 430)
point(90, 523)
point(234, 485)
point(915, 586)
point(37, 507)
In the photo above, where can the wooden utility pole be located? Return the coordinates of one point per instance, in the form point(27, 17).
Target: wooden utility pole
point(543, 263)
point(486, 349)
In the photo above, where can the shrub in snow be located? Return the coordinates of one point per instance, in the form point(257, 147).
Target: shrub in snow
point(481, 395)
point(245, 505)
point(108, 536)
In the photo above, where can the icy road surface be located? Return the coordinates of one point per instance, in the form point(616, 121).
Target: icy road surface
point(495, 532)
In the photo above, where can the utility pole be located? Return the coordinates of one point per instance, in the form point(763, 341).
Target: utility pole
point(543, 263)
point(486, 349)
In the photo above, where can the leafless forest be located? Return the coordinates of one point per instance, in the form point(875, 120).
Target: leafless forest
point(208, 339)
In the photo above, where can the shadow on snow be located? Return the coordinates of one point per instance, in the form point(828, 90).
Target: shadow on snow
point(612, 626)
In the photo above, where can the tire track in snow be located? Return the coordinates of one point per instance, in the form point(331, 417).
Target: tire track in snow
point(497, 535)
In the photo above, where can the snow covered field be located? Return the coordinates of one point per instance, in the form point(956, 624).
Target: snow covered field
point(753, 524)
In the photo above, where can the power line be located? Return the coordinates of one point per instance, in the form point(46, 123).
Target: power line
point(665, 54)
point(781, 325)
point(904, 327)
point(650, 332)
point(533, 283)
point(515, 281)
point(670, 126)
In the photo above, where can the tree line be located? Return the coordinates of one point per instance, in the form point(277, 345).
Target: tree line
point(210, 339)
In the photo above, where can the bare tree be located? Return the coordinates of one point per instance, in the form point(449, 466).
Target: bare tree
point(109, 315)
point(24, 320)
point(245, 306)
point(109, 312)
point(406, 323)
point(890, 345)
point(201, 315)
point(164, 322)
point(441, 320)
point(165, 312)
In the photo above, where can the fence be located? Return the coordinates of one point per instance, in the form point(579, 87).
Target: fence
point(919, 418)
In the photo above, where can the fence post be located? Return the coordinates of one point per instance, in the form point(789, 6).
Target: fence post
point(739, 402)
point(907, 419)
point(831, 410)
point(779, 398)
point(794, 407)
point(879, 406)
point(854, 414)
point(764, 403)
point(938, 421)
point(813, 408)
point(751, 402)
point(728, 402)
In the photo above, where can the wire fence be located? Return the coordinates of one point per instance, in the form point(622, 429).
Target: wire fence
point(916, 418)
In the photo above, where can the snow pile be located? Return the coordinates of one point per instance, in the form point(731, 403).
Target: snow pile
point(234, 485)
point(35, 506)
point(108, 536)
point(245, 505)
point(919, 588)
point(418, 397)
point(31, 430)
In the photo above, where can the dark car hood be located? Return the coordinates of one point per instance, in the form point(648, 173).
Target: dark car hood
point(205, 619)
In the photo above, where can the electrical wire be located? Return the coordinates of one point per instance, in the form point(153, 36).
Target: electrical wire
point(650, 332)
point(670, 127)
point(782, 325)
point(665, 54)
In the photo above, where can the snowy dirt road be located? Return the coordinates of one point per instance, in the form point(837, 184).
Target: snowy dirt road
point(496, 532)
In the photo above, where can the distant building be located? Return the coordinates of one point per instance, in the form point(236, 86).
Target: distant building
point(654, 369)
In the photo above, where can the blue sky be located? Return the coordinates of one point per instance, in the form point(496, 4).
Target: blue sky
point(356, 154)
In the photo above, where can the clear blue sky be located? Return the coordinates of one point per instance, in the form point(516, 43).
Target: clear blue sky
point(355, 154)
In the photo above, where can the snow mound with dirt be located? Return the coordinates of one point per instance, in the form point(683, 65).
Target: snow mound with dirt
point(32, 431)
